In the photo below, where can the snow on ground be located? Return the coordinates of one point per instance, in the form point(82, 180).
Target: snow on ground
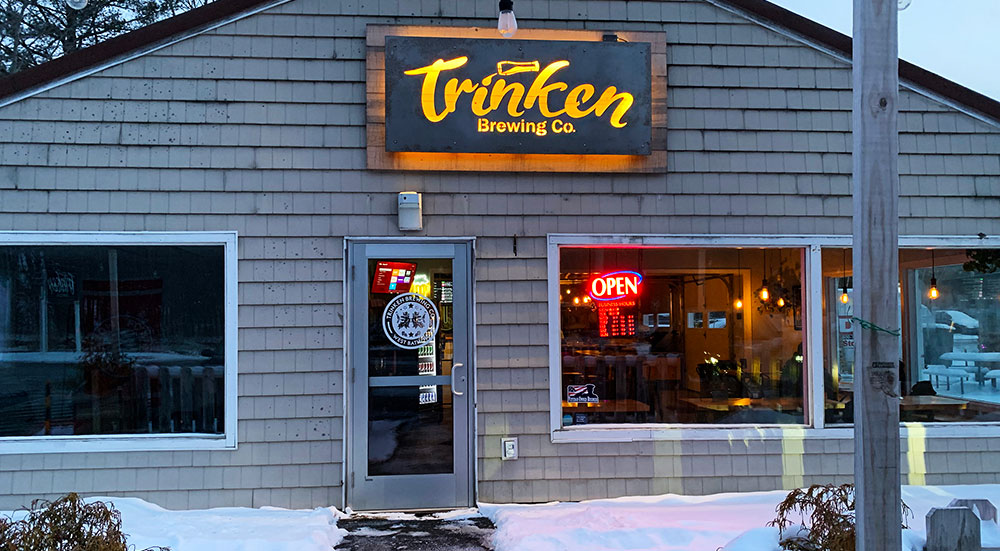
point(227, 529)
point(731, 522)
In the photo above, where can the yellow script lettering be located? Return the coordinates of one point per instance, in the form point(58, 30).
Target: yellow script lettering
point(431, 73)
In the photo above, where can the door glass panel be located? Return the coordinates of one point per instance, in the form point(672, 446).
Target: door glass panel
point(410, 310)
point(410, 430)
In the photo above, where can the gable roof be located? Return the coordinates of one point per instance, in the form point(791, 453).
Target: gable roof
point(222, 10)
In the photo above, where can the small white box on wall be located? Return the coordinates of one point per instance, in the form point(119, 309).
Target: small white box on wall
point(410, 211)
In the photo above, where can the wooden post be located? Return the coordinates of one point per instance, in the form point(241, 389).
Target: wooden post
point(876, 269)
point(953, 529)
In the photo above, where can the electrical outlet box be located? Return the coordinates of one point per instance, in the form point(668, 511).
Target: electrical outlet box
point(508, 447)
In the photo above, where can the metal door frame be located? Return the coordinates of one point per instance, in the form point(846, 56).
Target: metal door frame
point(350, 333)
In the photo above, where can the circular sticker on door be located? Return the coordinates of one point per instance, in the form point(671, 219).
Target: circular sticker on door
point(410, 320)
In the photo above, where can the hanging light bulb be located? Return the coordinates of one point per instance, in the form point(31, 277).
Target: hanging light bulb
point(781, 302)
point(844, 298)
point(507, 23)
point(765, 295)
point(933, 293)
point(738, 303)
point(77, 4)
point(576, 300)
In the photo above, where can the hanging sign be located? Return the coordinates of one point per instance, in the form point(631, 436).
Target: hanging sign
point(410, 321)
point(517, 96)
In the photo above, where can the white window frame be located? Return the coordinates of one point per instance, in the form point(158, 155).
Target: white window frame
point(812, 278)
point(145, 442)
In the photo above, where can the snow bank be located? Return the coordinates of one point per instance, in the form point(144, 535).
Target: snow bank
point(661, 523)
point(227, 529)
point(732, 522)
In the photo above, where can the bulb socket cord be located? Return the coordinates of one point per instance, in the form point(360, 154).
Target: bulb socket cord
point(506, 5)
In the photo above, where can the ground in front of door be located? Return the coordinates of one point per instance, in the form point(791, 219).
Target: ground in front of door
point(395, 531)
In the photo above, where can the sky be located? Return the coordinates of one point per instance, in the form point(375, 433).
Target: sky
point(958, 39)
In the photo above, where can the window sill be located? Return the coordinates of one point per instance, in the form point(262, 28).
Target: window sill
point(637, 433)
point(115, 443)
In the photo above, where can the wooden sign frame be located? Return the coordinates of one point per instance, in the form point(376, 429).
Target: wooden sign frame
point(380, 159)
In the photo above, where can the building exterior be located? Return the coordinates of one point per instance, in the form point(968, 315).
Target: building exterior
point(207, 299)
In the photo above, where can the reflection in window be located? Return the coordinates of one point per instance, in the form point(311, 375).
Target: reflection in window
point(734, 357)
point(950, 343)
point(111, 340)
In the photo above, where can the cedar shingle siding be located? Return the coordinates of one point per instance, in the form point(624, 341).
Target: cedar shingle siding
point(258, 126)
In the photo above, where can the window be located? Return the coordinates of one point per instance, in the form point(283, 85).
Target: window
point(116, 339)
point(950, 339)
point(681, 335)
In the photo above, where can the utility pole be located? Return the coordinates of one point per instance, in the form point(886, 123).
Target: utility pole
point(876, 275)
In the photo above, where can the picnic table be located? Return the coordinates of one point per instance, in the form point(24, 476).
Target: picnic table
point(974, 361)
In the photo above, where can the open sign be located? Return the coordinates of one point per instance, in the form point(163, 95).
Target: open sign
point(615, 285)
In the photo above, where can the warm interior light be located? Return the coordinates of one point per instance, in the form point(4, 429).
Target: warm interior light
point(576, 300)
point(586, 300)
point(933, 294)
point(507, 23)
point(738, 304)
point(765, 295)
point(844, 298)
point(781, 302)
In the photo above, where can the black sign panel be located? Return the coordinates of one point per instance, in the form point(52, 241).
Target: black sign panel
point(517, 96)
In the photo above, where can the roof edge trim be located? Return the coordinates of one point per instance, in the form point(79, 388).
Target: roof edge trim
point(834, 42)
point(120, 49)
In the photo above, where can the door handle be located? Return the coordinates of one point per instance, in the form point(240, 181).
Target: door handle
point(454, 368)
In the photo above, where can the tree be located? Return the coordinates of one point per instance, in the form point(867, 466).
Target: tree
point(35, 31)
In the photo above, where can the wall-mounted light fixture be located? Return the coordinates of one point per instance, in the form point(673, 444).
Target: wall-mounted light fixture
point(507, 23)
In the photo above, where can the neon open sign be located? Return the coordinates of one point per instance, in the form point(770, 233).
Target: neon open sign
point(615, 285)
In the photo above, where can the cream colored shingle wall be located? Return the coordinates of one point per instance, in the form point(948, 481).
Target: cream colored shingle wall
point(258, 127)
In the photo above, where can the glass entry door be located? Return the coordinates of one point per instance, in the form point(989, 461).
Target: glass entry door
point(410, 442)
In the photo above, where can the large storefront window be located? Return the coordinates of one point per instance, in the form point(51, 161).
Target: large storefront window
point(950, 345)
point(112, 340)
point(681, 335)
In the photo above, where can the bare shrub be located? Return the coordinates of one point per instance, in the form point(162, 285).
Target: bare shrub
point(66, 524)
point(827, 516)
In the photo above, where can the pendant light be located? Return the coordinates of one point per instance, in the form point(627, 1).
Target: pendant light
point(933, 294)
point(844, 298)
point(738, 304)
point(765, 295)
point(507, 23)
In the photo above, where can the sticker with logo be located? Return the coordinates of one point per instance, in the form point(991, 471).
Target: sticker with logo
point(577, 394)
point(410, 321)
